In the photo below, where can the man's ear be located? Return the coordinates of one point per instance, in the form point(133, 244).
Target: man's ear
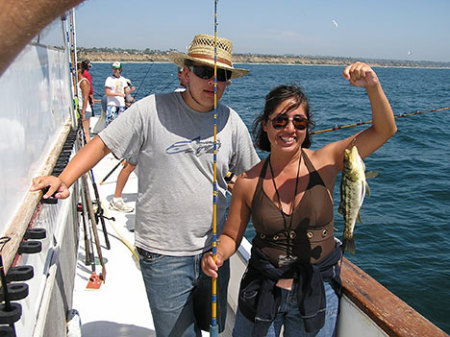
point(185, 73)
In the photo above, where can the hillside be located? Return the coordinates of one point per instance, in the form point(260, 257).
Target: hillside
point(132, 55)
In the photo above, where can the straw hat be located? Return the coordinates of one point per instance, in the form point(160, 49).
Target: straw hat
point(201, 50)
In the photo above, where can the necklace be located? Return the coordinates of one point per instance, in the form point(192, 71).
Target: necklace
point(287, 229)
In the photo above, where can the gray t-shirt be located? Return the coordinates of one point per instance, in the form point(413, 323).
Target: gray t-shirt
point(175, 145)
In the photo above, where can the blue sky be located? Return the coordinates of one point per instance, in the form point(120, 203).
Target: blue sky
point(382, 29)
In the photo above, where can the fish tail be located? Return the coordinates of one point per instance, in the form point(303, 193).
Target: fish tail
point(348, 245)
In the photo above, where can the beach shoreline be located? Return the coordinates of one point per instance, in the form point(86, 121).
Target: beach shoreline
point(133, 56)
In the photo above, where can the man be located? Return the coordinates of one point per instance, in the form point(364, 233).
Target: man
point(116, 89)
point(172, 136)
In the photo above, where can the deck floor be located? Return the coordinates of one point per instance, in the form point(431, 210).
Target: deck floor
point(119, 307)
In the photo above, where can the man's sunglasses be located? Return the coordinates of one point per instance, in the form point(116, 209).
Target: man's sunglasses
point(281, 121)
point(205, 73)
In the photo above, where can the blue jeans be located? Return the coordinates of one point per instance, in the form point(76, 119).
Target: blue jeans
point(289, 317)
point(177, 289)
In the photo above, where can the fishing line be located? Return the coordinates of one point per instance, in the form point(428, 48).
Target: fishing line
point(145, 76)
point(370, 121)
point(165, 85)
point(170, 82)
point(214, 329)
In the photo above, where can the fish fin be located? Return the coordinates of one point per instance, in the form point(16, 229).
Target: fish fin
point(367, 189)
point(348, 245)
point(359, 219)
point(371, 174)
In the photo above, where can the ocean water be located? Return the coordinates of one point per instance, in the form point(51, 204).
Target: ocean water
point(404, 242)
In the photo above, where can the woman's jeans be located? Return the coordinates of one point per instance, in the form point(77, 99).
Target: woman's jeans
point(289, 317)
point(179, 293)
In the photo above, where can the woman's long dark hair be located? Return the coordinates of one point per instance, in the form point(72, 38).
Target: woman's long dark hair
point(273, 99)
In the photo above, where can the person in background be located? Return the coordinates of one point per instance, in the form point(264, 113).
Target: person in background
point(172, 137)
point(116, 89)
point(128, 98)
point(117, 203)
point(83, 101)
point(292, 279)
point(85, 66)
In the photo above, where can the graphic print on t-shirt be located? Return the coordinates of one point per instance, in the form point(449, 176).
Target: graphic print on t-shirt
point(196, 146)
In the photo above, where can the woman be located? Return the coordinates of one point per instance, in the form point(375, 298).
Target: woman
point(293, 273)
point(83, 102)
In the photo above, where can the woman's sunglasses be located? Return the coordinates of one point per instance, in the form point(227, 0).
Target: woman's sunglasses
point(205, 73)
point(281, 121)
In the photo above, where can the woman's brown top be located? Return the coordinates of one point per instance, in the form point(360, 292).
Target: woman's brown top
point(311, 235)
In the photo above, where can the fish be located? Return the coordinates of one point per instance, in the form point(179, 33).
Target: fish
point(354, 188)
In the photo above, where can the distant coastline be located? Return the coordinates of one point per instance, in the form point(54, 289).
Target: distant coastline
point(133, 55)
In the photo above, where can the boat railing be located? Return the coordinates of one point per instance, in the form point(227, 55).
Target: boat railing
point(20, 222)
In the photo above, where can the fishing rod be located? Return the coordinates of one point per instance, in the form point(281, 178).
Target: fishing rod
point(95, 280)
point(99, 211)
point(71, 44)
point(88, 246)
point(113, 169)
point(214, 328)
point(370, 121)
point(72, 58)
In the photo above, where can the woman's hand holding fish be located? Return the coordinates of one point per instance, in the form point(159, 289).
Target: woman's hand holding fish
point(360, 75)
point(54, 184)
point(383, 122)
